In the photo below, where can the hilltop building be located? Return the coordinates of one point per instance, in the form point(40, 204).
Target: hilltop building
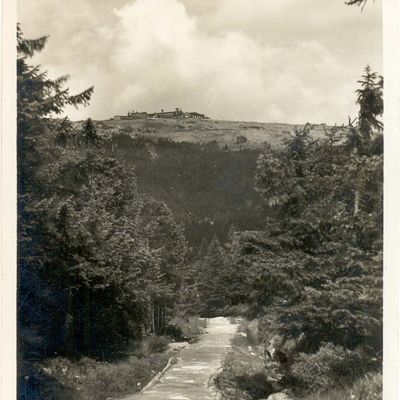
point(178, 113)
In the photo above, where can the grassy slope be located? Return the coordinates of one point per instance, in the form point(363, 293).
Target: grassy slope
point(225, 133)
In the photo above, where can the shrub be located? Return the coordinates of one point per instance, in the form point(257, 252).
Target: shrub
point(239, 341)
point(367, 388)
point(153, 344)
point(174, 332)
point(241, 139)
point(243, 376)
point(238, 310)
point(191, 327)
point(331, 366)
point(88, 379)
point(250, 328)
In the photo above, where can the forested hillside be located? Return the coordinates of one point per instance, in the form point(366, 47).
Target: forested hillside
point(209, 189)
point(203, 169)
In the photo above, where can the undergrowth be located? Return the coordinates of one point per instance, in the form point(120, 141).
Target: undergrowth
point(88, 379)
point(189, 328)
point(244, 376)
point(367, 388)
point(332, 373)
point(61, 378)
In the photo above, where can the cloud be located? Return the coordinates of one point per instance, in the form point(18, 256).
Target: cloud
point(239, 61)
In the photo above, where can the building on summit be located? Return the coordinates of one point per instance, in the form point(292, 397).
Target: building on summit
point(178, 113)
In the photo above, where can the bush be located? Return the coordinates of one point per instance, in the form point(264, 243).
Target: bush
point(240, 341)
point(153, 344)
point(174, 332)
point(243, 376)
point(238, 310)
point(250, 328)
point(331, 366)
point(191, 327)
point(241, 139)
point(88, 379)
point(367, 388)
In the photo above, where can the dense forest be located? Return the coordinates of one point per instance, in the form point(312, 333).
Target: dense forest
point(118, 237)
point(208, 188)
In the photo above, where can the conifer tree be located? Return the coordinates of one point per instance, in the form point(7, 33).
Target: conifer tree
point(38, 98)
point(89, 134)
point(38, 95)
point(211, 282)
point(318, 265)
point(94, 253)
point(365, 137)
point(370, 100)
point(65, 132)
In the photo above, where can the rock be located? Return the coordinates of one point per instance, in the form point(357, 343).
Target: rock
point(284, 395)
point(178, 345)
point(274, 347)
point(252, 331)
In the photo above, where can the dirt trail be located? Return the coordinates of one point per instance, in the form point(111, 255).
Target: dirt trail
point(188, 378)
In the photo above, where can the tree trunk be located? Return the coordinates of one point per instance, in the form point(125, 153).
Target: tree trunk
point(70, 345)
point(162, 318)
point(356, 201)
point(152, 327)
point(87, 331)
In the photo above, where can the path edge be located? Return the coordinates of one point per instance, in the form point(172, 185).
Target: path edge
point(149, 384)
point(211, 385)
point(157, 376)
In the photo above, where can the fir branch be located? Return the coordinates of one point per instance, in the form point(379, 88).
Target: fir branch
point(82, 98)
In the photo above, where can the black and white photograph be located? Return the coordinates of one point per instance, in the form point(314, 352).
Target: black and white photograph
point(200, 208)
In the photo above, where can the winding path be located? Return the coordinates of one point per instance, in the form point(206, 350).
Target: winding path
point(188, 379)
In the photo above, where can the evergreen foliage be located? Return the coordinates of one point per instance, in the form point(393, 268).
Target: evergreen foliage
point(327, 245)
point(207, 188)
point(211, 282)
point(38, 95)
point(360, 3)
point(314, 274)
point(89, 134)
point(99, 262)
point(370, 100)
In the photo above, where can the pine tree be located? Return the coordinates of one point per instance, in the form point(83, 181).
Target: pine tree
point(364, 138)
point(89, 134)
point(370, 100)
point(317, 266)
point(211, 286)
point(94, 253)
point(65, 132)
point(39, 96)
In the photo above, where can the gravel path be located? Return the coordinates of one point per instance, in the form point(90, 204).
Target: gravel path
point(188, 379)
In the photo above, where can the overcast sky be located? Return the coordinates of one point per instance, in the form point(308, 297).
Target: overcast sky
point(289, 61)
